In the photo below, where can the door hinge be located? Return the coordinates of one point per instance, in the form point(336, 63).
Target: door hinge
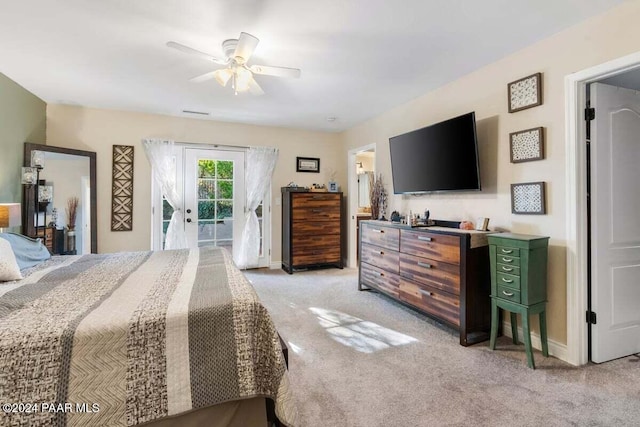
point(591, 317)
point(589, 114)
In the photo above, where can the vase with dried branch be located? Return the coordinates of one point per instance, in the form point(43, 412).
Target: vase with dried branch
point(72, 212)
point(377, 197)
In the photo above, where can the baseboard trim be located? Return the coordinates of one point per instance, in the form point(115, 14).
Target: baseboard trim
point(556, 349)
point(275, 265)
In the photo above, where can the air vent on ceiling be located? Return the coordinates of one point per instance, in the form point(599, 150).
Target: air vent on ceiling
point(202, 113)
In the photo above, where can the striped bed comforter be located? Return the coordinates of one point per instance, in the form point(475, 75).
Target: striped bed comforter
point(126, 338)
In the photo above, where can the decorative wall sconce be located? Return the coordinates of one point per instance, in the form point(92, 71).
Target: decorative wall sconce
point(360, 167)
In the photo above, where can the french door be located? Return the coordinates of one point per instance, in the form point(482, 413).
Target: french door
point(214, 198)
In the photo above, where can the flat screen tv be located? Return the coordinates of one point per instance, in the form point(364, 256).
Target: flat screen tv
point(440, 157)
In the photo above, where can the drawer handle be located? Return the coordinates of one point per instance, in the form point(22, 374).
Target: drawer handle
point(426, 239)
point(505, 251)
point(377, 231)
point(507, 268)
point(424, 264)
point(426, 293)
point(316, 210)
point(507, 280)
point(506, 260)
point(509, 294)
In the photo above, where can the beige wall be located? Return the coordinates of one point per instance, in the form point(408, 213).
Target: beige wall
point(98, 130)
point(608, 36)
point(22, 119)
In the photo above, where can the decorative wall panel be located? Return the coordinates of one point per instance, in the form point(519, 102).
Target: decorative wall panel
point(528, 198)
point(122, 188)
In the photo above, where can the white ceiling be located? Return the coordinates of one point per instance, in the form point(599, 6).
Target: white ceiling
point(359, 58)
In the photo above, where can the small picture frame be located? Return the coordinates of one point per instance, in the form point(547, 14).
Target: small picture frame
point(528, 198)
point(333, 187)
point(525, 93)
point(526, 145)
point(308, 164)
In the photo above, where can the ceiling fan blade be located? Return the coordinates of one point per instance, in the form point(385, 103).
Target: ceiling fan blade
point(276, 71)
point(204, 77)
point(254, 88)
point(246, 45)
point(187, 49)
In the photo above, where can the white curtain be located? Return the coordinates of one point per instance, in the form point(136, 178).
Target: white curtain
point(161, 156)
point(260, 164)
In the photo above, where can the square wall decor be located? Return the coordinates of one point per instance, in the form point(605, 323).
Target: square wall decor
point(525, 93)
point(307, 164)
point(527, 145)
point(528, 198)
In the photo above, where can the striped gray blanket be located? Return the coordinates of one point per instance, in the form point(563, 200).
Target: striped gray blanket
point(126, 338)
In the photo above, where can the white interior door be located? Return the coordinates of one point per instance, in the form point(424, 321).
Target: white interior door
point(214, 197)
point(615, 228)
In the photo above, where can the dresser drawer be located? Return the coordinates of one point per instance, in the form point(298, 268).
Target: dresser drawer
point(439, 247)
point(508, 260)
point(433, 301)
point(379, 279)
point(307, 256)
point(331, 213)
point(506, 250)
point(306, 243)
point(380, 257)
point(314, 228)
point(439, 275)
point(508, 294)
point(315, 200)
point(509, 269)
point(386, 237)
point(508, 280)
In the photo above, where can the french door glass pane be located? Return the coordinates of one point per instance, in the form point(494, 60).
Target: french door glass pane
point(215, 203)
point(167, 211)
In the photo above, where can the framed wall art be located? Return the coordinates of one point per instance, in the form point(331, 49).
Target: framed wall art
point(525, 93)
point(527, 145)
point(528, 198)
point(122, 188)
point(307, 164)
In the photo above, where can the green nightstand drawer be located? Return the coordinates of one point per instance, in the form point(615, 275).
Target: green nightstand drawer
point(509, 269)
point(509, 260)
point(508, 280)
point(505, 250)
point(508, 294)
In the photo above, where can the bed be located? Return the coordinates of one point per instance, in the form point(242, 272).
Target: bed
point(140, 338)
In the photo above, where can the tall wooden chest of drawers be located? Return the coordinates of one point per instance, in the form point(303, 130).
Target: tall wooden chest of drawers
point(311, 230)
point(442, 273)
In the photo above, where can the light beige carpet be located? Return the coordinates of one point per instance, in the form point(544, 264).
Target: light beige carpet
point(360, 359)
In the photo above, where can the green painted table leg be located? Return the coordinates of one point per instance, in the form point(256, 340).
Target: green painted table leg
point(514, 327)
point(494, 324)
point(543, 333)
point(526, 332)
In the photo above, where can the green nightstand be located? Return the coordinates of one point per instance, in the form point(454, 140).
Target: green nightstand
point(519, 285)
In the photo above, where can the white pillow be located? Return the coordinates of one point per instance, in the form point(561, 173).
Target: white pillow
point(9, 269)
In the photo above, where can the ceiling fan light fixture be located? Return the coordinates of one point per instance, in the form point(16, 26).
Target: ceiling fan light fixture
point(243, 79)
point(222, 76)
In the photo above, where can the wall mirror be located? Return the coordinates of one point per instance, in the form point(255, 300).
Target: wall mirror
point(52, 177)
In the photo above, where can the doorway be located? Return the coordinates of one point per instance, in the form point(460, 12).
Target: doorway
point(578, 226)
point(361, 163)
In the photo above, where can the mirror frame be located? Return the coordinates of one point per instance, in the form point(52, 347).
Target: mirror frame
point(28, 192)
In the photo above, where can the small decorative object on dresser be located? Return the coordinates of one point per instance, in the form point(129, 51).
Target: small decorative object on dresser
point(525, 93)
point(527, 145)
point(519, 285)
point(378, 197)
point(72, 211)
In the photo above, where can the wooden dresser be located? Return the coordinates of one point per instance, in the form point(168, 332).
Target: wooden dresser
point(47, 236)
point(311, 229)
point(441, 272)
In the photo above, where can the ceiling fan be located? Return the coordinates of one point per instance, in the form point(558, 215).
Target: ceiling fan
point(237, 53)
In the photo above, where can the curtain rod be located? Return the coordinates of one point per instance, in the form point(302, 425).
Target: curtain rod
point(195, 144)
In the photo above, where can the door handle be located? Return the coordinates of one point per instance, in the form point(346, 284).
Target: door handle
point(188, 219)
